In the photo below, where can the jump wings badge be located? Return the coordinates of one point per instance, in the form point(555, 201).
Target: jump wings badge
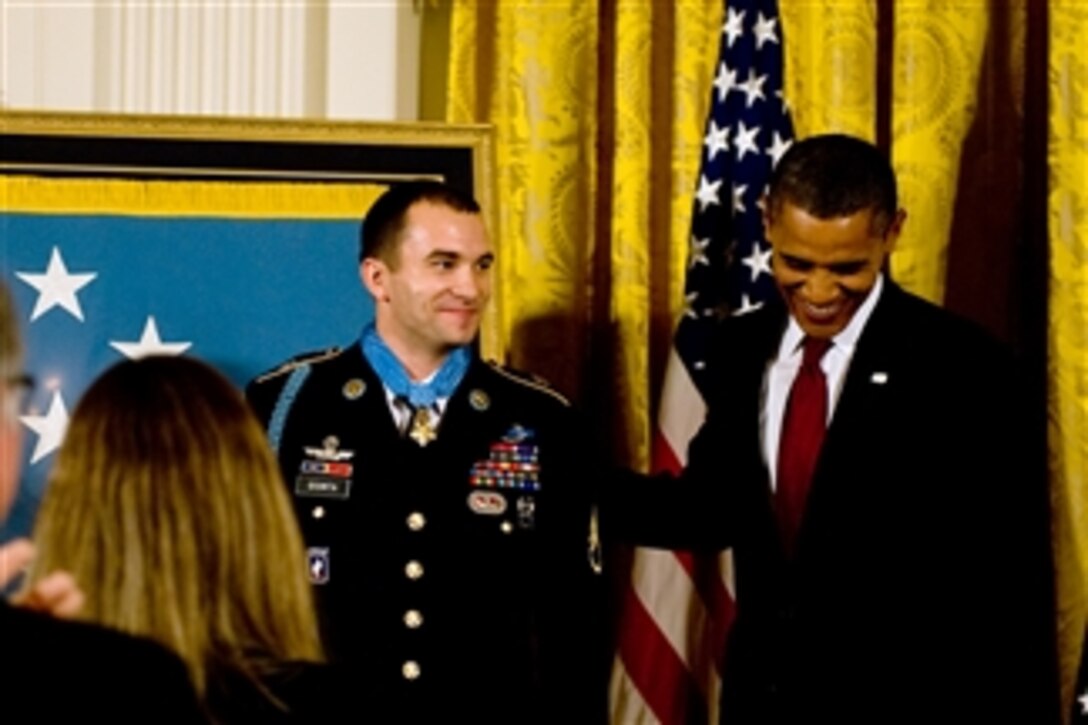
point(329, 451)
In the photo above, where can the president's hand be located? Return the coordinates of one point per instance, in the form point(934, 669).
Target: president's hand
point(56, 594)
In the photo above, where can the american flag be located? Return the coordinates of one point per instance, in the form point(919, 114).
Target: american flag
point(678, 608)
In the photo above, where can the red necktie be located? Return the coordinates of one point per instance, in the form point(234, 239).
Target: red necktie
point(803, 428)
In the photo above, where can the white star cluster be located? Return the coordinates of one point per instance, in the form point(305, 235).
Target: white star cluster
point(59, 288)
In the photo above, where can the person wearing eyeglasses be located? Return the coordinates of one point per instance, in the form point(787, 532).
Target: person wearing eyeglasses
point(53, 670)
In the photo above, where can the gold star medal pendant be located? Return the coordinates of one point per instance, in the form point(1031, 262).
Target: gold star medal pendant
point(422, 427)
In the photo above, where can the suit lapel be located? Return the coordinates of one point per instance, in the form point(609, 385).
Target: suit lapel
point(871, 373)
point(860, 409)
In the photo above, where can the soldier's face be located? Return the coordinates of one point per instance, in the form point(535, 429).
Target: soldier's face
point(431, 301)
point(825, 268)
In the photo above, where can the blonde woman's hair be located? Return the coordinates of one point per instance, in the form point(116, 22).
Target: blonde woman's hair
point(11, 347)
point(167, 506)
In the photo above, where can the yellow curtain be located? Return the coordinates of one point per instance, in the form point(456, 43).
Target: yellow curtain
point(938, 53)
point(830, 48)
point(593, 225)
point(1068, 332)
point(530, 71)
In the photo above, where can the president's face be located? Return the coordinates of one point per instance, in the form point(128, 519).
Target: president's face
point(825, 268)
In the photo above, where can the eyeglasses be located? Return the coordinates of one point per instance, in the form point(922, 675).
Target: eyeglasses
point(17, 394)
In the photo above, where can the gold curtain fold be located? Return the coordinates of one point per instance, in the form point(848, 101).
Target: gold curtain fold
point(938, 53)
point(632, 197)
point(696, 33)
point(830, 49)
point(1068, 332)
point(593, 225)
point(529, 69)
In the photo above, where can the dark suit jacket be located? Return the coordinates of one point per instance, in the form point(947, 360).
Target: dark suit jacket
point(920, 591)
point(475, 580)
point(53, 671)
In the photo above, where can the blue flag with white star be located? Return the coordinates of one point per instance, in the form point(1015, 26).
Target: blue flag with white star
point(241, 293)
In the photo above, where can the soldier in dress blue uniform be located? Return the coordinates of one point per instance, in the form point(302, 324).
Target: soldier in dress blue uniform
point(451, 543)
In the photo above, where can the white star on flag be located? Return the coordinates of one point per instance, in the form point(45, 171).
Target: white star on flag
point(778, 147)
point(764, 30)
point(746, 306)
point(753, 87)
point(717, 139)
point(738, 197)
point(745, 140)
point(49, 427)
point(758, 261)
point(689, 305)
point(697, 252)
point(783, 100)
point(734, 27)
point(149, 344)
point(708, 192)
point(725, 81)
point(57, 287)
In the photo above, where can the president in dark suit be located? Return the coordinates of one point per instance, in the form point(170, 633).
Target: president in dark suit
point(861, 455)
point(57, 671)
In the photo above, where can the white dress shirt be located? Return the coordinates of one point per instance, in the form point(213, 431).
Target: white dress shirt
point(402, 413)
point(781, 372)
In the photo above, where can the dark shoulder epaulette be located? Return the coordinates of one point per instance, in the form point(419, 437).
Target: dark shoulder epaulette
point(529, 380)
point(306, 358)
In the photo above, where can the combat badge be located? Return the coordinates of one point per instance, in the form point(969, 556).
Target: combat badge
point(517, 434)
point(317, 561)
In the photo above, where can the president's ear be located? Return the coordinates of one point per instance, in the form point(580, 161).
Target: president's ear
point(895, 228)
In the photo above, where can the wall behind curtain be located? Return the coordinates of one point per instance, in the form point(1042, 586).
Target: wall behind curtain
point(279, 58)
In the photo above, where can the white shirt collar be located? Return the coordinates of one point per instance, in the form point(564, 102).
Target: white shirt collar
point(849, 335)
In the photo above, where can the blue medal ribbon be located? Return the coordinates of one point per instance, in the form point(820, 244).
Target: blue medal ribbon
point(395, 377)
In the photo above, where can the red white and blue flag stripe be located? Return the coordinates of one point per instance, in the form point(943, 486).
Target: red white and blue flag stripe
point(678, 608)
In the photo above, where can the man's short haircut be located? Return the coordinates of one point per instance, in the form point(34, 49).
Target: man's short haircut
point(835, 175)
point(385, 220)
point(11, 347)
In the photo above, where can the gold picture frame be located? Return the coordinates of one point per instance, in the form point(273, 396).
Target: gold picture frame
point(117, 146)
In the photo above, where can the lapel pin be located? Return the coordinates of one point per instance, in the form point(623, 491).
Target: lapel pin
point(879, 378)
